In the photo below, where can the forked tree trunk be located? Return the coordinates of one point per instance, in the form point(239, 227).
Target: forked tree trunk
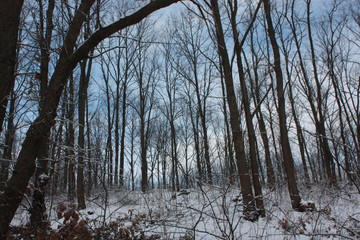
point(248, 116)
point(245, 182)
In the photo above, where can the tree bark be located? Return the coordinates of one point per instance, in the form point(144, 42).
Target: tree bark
point(9, 27)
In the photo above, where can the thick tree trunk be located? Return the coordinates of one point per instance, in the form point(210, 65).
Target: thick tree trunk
point(252, 139)
point(9, 27)
point(37, 211)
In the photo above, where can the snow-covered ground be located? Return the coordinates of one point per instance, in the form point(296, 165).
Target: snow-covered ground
point(213, 212)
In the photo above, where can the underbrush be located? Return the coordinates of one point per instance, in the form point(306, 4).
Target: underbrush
point(208, 212)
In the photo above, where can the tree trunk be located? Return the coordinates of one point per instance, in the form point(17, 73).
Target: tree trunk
point(248, 117)
point(38, 207)
point(89, 147)
point(284, 138)
point(246, 186)
point(71, 142)
point(84, 83)
point(9, 26)
point(9, 141)
point(123, 126)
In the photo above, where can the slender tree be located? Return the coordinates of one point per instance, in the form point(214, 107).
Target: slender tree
point(246, 186)
point(284, 138)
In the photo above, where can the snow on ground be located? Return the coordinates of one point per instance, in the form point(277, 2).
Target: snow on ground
point(214, 212)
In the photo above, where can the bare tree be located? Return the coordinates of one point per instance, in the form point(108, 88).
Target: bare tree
point(284, 138)
point(170, 107)
point(246, 103)
point(190, 39)
point(25, 165)
point(246, 186)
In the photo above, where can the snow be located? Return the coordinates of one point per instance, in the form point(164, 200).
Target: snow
point(210, 212)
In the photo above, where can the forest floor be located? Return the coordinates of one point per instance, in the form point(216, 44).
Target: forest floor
point(210, 212)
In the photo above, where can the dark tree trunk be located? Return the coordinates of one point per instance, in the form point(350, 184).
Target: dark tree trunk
point(248, 116)
point(143, 148)
point(132, 164)
point(84, 83)
point(246, 186)
point(89, 147)
point(38, 207)
point(37, 211)
point(284, 138)
point(176, 184)
point(124, 109)
point(109, 148)
point(9, 27)
point(122, 139)
point(71, 142)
